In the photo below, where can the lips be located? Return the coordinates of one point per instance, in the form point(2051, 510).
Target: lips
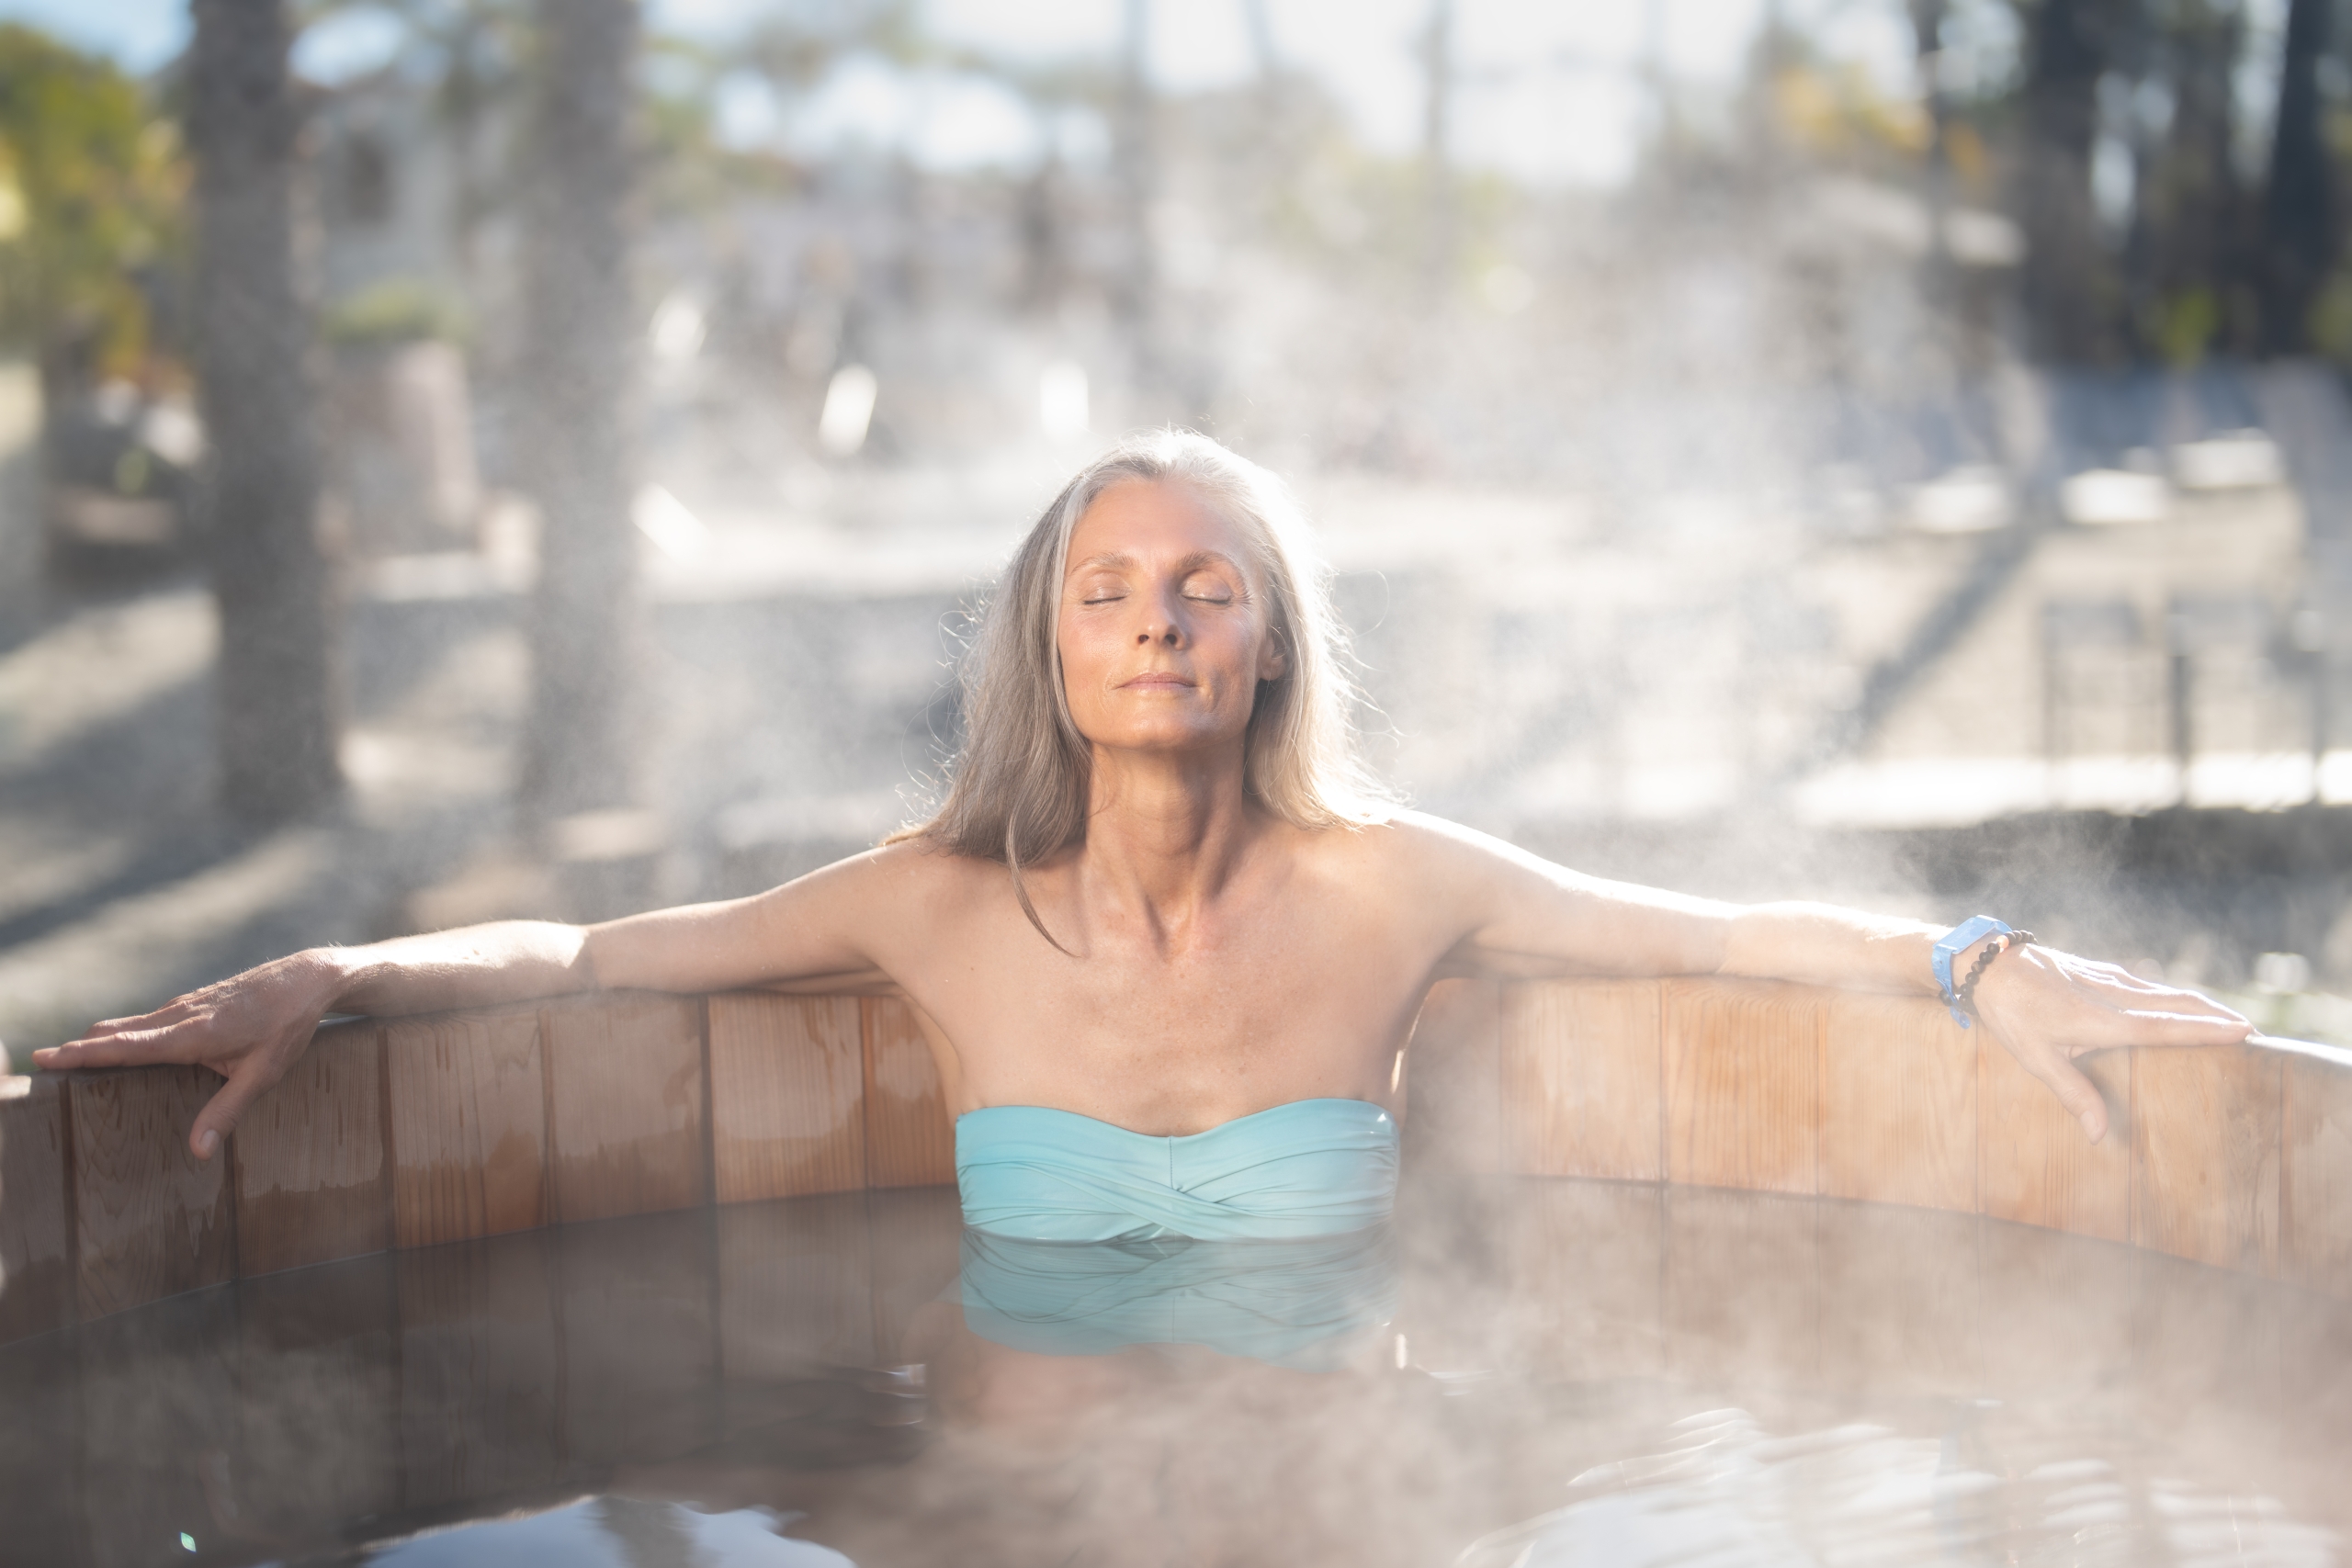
point(1156, 681)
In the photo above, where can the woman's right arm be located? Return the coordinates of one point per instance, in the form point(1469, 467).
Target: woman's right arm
point(252, 1026)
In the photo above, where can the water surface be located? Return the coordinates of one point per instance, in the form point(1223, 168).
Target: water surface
point(1521, 1373)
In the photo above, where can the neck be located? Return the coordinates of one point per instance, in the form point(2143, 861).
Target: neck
point(1164, 835)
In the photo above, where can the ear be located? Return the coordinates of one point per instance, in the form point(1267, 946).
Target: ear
point(1273, 663)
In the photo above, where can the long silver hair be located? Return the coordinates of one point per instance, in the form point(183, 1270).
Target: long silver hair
point(1018, 791)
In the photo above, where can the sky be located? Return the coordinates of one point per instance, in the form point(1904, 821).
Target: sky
point(1553, 91)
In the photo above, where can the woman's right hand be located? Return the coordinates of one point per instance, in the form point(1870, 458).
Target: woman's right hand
point(249, 1028)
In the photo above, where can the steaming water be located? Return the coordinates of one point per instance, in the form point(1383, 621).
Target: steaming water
point(1525, 1373)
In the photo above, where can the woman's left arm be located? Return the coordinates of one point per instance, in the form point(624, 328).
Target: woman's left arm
point(2047, 1007)
point(1526, 916)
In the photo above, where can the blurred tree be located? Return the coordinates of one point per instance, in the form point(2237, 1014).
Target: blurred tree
point(580, 329)
point(277, 719)
point(2194, 229)
point(2067, 285)
point(91, 185)
point(2299, 219)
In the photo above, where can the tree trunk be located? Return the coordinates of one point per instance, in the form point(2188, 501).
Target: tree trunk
point(277, 716)
point(2299, 215)
point(2064, 283)
point(579, 330)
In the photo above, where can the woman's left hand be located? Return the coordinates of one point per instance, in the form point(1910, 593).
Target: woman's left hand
point(2049, 1007)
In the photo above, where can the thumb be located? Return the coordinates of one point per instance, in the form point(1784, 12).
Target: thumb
point(218, 1118)
point(2074, 1091)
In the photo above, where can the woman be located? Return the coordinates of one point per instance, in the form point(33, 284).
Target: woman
point(1166, 941)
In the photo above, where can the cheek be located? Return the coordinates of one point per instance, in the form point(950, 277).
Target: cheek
point(1084, 652)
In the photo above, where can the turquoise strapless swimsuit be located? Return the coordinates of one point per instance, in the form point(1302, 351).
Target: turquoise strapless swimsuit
point(1313, 1168)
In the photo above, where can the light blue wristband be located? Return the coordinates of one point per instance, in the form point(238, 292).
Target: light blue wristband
point(1955, 942)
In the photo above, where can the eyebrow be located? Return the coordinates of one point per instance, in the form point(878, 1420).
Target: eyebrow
point(1117, 559)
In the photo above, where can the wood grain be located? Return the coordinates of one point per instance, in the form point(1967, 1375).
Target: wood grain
point(1581, 1079)
point(477, 1369)
point(910, 1138)
point(466, 1107)
point(796, 1287)
point(1742, 1061)
point(149, 1220)
point(312, 1181)
point(1898, 1104)
point(2035, 1167)
point(787, 1096)
point(1450, 1079)
point(626, 1104)
point(2205, 1155)
point(36, 1292)
point(2315, 1199)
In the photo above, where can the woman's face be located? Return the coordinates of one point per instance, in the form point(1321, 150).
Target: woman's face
point(1164, 632)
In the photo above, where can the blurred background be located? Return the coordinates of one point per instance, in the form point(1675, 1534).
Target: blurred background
point(470, 459)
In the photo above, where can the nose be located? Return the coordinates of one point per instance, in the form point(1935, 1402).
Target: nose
point(1163, 625)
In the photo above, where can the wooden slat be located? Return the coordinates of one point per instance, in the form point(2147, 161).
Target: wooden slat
point(1581, 1079)
point(477, 1369)
point(1900, 1300)
point(1741, 1063)
point(318, 1385)
point(796, 1287)
point(2315, 1202)
point(149, 1220)
point(910, 1139)
point(1743, 1292)
point(2035, 1167)
point(787, 1096)
point(1898, 1104)
point(1587, 1270)
point(641, 1347)
point(2205, 1126)
point(625, 1105)
point(466, 1105)
point(1450, 1077)
point(312, 1181)
point(37, 1293)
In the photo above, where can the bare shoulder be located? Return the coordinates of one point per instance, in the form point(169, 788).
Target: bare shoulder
point(895, 880)
point(1440, 870)
point(1415, 844)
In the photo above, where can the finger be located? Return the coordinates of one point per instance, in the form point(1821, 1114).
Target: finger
point(2150, 1027)
point(220, 1113)
point(2074, 1091)
point(127, 1050)
point(170, 1013)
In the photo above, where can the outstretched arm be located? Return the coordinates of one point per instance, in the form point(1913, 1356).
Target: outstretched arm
point(252, 1026)
point(1528, 915)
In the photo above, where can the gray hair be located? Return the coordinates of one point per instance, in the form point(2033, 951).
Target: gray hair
point(1018, 791)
